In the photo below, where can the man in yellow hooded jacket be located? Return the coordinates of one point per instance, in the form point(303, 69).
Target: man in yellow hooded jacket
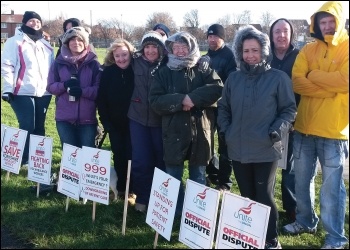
point(321, 76)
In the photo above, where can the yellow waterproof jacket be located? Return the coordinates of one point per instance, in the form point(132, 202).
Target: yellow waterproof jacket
point(321, 76)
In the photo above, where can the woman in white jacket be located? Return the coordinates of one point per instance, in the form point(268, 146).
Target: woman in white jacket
point(25, 64)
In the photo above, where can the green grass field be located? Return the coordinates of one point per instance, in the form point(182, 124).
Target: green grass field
point(44, 222)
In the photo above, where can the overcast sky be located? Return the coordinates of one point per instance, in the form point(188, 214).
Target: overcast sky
point(136, 12)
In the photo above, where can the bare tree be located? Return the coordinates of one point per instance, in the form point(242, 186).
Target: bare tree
point(5, 8)
point(225, 21)
point(265, 19)
point(106, 31)
point(161, 17)
point(242, 18)
point(191, 19)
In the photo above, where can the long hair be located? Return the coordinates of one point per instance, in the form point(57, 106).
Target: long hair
point(109, 59)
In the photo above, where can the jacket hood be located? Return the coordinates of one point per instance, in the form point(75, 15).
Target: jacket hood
point(334, 8)
point(291, 32)
point(248, 32)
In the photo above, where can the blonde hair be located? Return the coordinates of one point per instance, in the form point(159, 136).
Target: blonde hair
point(109, 59)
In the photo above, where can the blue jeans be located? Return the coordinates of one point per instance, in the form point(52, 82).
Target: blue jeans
point(31, 116)
point(147, 153)
point(77, 135)
point(196, 173)
point(331, 154)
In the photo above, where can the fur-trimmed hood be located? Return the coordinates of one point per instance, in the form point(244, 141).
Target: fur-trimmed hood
point(248, 32)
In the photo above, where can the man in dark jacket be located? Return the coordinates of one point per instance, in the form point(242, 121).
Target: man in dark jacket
point(67, 24)
point(284, 54)
point(223, 62)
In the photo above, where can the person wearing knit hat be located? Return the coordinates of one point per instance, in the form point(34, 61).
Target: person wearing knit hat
point(25, 62)
point(145, 124)
point(67, 24)
point(74, 80)
point(152, 39)
point(30, 15)
point(163, 30)
point(79, 32)
point(217, 30)
point(185, 110)
point(219, 169)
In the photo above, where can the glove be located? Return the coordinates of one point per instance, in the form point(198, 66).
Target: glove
point(274, 136)
point(75, 91)
point(203, 63)
point(71, 83)
point(7, 97)
point(222, 136)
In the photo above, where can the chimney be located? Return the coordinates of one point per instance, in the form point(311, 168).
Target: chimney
point(12, 12)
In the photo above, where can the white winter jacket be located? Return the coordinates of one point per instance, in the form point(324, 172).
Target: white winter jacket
point(25, 65)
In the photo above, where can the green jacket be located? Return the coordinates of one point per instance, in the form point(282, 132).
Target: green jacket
point(186, 134)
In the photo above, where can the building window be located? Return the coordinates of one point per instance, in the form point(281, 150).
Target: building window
point(3, 25)
point(4, 35)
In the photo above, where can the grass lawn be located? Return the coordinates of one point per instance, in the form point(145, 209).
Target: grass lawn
point(44, 222)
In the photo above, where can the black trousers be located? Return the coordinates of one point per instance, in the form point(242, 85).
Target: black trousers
point(121, 149)
point(256, 181)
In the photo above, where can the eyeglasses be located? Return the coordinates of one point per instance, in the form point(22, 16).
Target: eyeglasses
point(177, 48)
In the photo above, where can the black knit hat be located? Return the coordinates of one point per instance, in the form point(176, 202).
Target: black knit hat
point(29, 15)
point(216, 29)
point(74, 21)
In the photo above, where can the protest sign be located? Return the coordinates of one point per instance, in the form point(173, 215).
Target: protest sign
point(95, 173)
point(12, 149)
point(68, 181)
point(243, 223)
point(199, 216)
point(162, 203)
point(40, 156)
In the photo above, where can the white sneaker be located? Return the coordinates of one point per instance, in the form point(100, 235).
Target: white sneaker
point(329, 246)
point(296, 228)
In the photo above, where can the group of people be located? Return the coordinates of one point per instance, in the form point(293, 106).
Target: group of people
point(162, 105)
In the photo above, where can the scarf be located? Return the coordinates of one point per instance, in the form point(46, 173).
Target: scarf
point(33, 34)
point(68, 56)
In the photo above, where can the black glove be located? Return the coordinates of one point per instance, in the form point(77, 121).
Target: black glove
point(203, 63)
point(75, 91)
point(7, 97)
point(222, 136)
point(274, 136)
point(71, 83)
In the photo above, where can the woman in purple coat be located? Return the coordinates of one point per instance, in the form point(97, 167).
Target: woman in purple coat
point(74, 79)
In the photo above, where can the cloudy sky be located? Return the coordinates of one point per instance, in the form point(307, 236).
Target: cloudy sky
point(136, 12)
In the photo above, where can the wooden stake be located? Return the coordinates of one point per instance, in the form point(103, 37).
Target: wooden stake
point(93, 211)
point(7, 176)
point(67, 203)
point(126, 197)
point(155, 241)
point(37, 189)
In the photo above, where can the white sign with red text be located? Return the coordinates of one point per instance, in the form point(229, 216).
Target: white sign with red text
point(40, 157)
point(68, 181)
point(12, 149)
point(199, 216)
point(242, 224)
point(95, 173)
point(162, 203)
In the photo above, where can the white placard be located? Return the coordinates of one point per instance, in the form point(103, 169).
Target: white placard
point(243, 223)
point(69, 178)
point(12, 149)
point(162, 203)
point(40, 157)
point(95, 174)
point(199, 216)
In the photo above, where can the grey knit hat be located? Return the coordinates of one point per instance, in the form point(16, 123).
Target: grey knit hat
point(76, 31)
